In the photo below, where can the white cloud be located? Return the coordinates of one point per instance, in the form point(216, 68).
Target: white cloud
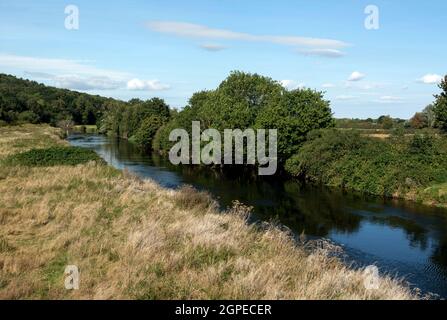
point(212, 47)
point(390, 99)
point(77, 75)
point(152, 85)
point(344, 97)
point(431, 79)
point(356, 76)
point(363, 85)
point(88, 83)
point(291, 84)
point(57, 66)
point(76, 82)
point(328, 53)
point(190, 30)
point(328, 85)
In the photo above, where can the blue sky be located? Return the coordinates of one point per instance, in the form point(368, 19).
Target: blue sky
point(172, 49)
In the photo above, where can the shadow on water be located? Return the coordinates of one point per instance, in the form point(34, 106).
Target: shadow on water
point(401, 238)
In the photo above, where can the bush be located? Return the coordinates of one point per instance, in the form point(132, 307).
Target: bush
point(380, 167)
point(54, 156)
point(28, 117)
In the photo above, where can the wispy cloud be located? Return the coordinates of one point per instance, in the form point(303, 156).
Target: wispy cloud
point(56, 66)
point(328, 53)
point(212, 47)
point(77, 82)
point(344, 97)
point(390, 99)
point(151, 85)
point(77, 75)
point(191, 30)
point(328, 85)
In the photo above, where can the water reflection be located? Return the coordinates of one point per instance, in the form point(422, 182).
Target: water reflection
point(400, 237)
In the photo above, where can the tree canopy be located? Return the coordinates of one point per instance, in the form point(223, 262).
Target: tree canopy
point(440, 106)
point(28, 101)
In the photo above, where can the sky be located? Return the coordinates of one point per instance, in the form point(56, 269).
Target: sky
point(369, 61)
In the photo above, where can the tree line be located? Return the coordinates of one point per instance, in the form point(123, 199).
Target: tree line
point(241, 101)
point(25, 101)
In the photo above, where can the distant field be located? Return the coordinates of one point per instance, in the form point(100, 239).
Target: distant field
point(85, 128)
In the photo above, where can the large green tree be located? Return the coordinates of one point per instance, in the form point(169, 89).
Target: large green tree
point(295, 114)
point(440, 106)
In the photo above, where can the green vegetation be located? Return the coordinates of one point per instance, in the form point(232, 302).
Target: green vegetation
point(401, 166)
point(407, 161)
point(246, 100)
point(137, 120)
point(440, 106)
point(53, 156)
point(381, 124)
point(24, 101)
point(132, 239)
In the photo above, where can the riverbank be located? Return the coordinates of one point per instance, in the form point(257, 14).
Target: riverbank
point(412, 168)
point(133, 239)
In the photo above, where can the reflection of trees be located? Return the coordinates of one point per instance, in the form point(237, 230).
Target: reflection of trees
point(416, 234)
point(439, 256)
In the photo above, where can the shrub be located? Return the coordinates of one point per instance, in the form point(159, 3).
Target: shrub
point(381, 167)
point(53, 156)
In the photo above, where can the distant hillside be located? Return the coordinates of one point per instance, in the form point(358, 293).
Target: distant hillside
point(28, 101)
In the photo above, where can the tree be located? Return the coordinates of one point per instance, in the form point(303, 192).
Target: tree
point(24, 100)
point(419, 121)
point(239, 98)
point(146, 132)
point(430, 115)
point(28, 117)
point(386, 122)
point(66, 125)
point(440, 106)
point(294, 115)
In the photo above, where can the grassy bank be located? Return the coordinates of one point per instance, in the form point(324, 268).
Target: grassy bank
point(412, 167)
point(133, 239)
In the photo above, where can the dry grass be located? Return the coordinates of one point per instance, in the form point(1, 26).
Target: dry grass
point(133, 239)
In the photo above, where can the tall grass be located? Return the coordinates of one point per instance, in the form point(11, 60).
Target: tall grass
point(133, 239)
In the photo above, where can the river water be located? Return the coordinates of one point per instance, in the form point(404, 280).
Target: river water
point(401, 238)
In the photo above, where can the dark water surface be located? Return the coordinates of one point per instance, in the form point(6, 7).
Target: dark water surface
point(401, 238)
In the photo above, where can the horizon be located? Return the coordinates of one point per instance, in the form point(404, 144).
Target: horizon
point(144, 50)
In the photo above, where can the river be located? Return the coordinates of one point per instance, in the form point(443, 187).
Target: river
point(403, 239)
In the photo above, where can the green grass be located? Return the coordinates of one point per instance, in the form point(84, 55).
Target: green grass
point(86, 128)
point(53, 156)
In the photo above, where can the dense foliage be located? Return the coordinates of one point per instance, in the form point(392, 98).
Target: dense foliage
point(440, 106)
point(246, 100)
point(53, 156)
point(136, 120)
point(24, 101)
point(396, 166)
